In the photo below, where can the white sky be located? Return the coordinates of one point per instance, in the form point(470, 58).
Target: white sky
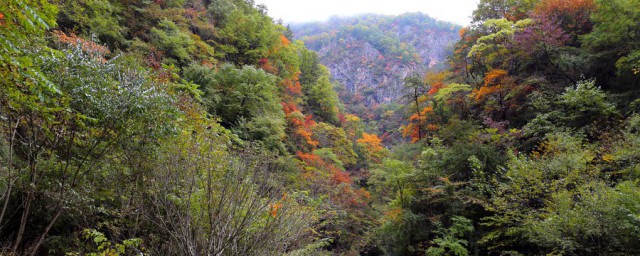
point(294, 11)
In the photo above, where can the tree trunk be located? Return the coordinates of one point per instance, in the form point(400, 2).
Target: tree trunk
point(415, 96)
point(23, 221)
point(10, 168)
point(46, 230)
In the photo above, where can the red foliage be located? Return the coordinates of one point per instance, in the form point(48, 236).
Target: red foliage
point(417, 126)
point(309, 158)
point(435, 88)
point(191, 13)
point(88, 46)
point(308, 121)
point(307, 136)
point(292, 87)
point(301, 126)
point(432, 127)
point(284, 40)
point(340, 177)
point(154, 59)
point(289, 107)
point(273, 209)
point(544, 31)
point(385, 136)
point(265, 65)
point(572, 15)
point(463, 31)
point(493, 86)
point(501, 94)
point(342, 118)
point(337, 176)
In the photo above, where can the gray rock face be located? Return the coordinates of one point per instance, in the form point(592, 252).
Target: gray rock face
point(359, 70)
point(372, 54)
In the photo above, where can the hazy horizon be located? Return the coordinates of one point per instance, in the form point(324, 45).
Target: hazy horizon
point(302, 11)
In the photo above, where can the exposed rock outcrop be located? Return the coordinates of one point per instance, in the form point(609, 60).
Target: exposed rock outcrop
point(372, 54)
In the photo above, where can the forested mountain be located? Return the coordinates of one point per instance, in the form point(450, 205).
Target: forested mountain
point(182, 127)
point(372, 54)
point(202, 127)
point(528, 143)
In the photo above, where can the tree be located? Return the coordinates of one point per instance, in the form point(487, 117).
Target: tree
point(451, 240)
point(321, 99)
point(371, 147)
point(615, 40)
point(246, 100)
point(452, 98)
point(65, 141)
point(393, 180)
point(176, 44)
point(336, 139)
point(416, 96)
point(220, 10)
point(562, 161)
point(572, 16)
point(512, 10)
point(100, 20)
point(206, 201)
point(21, 22)
point(601, 219)
point(310, 70)
point(579, 107)
point(246, 35)
point(491, 49)
point(499, 94)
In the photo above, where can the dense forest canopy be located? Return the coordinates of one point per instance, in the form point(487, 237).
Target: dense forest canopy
point(203, 127)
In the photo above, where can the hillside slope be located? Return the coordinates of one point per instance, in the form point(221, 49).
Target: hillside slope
point(372, 54)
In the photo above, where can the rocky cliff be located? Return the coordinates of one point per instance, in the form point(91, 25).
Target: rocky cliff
point(372, 54)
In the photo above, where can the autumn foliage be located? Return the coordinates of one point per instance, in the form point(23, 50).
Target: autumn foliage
point(86, 45)
point(417, 129)
point(436, 81)
point(328, 178)
point(573, 15)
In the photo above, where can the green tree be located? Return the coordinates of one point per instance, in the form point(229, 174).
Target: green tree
point(219, 10)
point(66, 141)
point(23, 24)
point(393, 179)
point(593, 219)
point(580, 107)
point(175, 43)
point(336, 139)
point(321, 99)
point(563, 161)
point(246, 100)
point(451, 241)
point(310, 70)
point(512, 10)
point(247, 35)
point(100, 18)
point(614, 39)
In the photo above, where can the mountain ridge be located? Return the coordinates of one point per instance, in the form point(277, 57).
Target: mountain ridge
point(372, 54)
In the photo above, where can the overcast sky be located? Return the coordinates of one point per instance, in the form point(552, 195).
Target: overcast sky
point(294, 11)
